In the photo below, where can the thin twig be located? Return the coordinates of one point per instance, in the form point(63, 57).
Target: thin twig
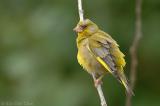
point(133, 49)
point(99, 88)
point(80, 10)
point(100, 92)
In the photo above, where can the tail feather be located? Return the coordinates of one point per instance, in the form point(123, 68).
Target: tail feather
point(124, 82)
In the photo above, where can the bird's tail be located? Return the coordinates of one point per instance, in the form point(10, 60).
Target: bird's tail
point(124, 82)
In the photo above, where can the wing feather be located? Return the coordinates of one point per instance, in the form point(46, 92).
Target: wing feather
point(104, 57)
point(106, 51)
point(103, 47)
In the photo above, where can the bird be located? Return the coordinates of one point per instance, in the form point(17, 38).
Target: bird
point(99, 54)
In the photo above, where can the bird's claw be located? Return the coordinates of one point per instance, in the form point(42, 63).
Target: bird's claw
point(98, 82)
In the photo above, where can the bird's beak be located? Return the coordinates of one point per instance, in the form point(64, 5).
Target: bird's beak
point(78, 29)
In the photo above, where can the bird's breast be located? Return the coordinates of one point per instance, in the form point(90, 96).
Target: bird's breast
point(87, 60)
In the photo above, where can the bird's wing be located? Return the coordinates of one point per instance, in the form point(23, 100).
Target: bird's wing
point(107, 53)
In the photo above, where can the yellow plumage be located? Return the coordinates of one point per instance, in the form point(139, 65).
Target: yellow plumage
point(98, 52)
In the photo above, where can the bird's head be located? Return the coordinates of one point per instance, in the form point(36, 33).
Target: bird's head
point(86, 28)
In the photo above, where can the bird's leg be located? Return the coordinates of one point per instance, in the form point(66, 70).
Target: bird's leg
point(98, 81)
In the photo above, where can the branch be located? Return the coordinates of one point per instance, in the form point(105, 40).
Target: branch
point(134, 47)
point(100, 92)
point(80, 10)
point(99, 88)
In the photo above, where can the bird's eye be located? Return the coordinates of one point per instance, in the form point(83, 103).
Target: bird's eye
point(83, 26)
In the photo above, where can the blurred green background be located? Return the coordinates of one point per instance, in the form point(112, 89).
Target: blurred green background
point(38, 65)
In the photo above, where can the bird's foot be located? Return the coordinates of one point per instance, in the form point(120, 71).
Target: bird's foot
point(98, 82)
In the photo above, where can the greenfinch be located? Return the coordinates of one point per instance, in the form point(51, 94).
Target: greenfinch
point(99, 53)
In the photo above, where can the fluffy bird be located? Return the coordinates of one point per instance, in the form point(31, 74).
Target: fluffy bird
point(99, 53)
